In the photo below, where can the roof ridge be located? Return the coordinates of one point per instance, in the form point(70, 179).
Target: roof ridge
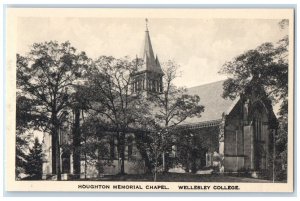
point(206, 84)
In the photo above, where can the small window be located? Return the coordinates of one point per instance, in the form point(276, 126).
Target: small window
point(153, 85)
point(112, 149)
point(130, 147)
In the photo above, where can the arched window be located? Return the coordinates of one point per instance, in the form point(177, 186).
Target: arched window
point(161, 85)
point(135, 87)
point(260, 134)
point(143, 83)
point(153, 85)
point(149, 85)
point(112, 148)
point(66, 165)
point(259, 117)
point(258, 128)
point(129, 147)
point(139, 85)
point(132, 87)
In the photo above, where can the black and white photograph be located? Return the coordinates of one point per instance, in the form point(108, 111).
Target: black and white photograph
point(150, 100)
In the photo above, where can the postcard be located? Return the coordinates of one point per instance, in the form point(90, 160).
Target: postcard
point(149, 100)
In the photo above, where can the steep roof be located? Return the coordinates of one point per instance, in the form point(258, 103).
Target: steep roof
point(211, 98)
point(150, 62)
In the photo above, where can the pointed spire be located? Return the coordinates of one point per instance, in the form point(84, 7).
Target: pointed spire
point(150, 63)
point(157, 62)
point(146, 60)
point(148, 46)
point(146, 24)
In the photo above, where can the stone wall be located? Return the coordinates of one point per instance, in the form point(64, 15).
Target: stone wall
point(246, 140)
point(131, 167)
point(234, 163)
point(234, 140)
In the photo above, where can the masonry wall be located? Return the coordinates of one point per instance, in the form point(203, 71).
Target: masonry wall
point(131, 167)
point(134, 164)
point(246, 138)
point(234, 140)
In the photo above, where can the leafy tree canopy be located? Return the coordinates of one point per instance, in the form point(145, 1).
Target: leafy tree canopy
point(174, 105)
point(46, 75)
point(266, 66)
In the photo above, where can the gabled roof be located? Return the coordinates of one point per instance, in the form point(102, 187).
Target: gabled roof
point(211, 98)
point(151, 63)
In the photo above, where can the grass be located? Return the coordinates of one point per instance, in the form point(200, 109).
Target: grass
point(180, 177)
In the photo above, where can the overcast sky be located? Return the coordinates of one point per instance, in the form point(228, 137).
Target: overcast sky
point(199, 46)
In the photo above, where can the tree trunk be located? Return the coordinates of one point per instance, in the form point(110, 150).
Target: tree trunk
point(155, 169)
point(55, 146)
point(274, 156)
point(58, 158)
point(142, 143)
point(163, 162)
point(53, 150)
point(122, 152)
point(85, 157)
point(76, 143)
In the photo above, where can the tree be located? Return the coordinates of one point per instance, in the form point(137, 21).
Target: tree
point(171, 108)
point(111, 100)
point(79, 106)
point(97, 146)
point(93, 146)
point(34, 164)
point(21, 140)
point(264, 67)
point(46, 76)
point(25, 120)
point(21, 146)
point(281, 145)
point(191, 147)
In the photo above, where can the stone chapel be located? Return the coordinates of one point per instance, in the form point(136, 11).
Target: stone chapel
point(239, 131)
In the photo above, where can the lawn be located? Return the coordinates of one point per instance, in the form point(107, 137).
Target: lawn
point(181, 177)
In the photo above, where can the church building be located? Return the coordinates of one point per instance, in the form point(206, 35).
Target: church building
point(235, 135)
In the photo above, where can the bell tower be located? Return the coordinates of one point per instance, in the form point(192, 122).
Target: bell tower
point(149, 76)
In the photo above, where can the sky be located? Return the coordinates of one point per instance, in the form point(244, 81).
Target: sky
point(199, 46)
